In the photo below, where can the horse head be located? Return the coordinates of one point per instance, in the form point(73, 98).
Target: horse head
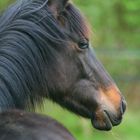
point(84, 86)
point(46, 52)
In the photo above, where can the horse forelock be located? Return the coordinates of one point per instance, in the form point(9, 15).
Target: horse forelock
point(78, 22)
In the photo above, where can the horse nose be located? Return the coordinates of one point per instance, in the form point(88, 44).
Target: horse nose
point(123, 106)
point(116, 120)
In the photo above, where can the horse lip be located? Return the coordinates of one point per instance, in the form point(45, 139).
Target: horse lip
point(114, 121)
point(108, 123)
point(104, 126)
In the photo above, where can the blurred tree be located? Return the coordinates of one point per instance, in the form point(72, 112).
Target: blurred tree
point(115, 20)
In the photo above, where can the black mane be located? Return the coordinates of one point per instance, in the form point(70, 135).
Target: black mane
point(31, 38)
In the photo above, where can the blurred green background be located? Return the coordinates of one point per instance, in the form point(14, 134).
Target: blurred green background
point(116, 39)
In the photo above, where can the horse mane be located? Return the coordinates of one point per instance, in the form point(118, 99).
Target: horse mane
point(31, 39)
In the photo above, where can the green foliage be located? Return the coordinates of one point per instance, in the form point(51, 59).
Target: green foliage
point(114, 20)
point(5, 3)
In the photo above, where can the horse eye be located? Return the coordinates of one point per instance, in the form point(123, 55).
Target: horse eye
point(83, 45)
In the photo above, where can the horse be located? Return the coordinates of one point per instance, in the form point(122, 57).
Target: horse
point(45, 53)
point(20, 125)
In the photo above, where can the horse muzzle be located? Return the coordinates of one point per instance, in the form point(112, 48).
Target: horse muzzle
point(110, 111)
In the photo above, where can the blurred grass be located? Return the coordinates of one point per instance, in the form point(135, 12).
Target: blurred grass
point(117, 46)
point(83, 130)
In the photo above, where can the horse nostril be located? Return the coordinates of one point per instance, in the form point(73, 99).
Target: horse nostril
point(123, 106)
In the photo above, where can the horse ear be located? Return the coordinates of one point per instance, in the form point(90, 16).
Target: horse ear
point(57, 5)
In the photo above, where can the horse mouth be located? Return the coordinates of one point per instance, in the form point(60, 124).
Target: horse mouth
point(104, 121)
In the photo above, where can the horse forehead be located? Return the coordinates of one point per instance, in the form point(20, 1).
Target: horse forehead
point(74, 20)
